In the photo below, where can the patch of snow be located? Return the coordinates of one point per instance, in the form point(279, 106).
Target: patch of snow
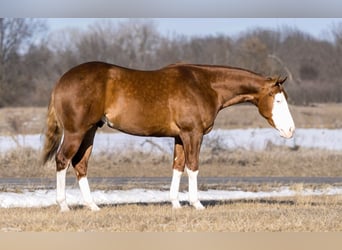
point(249, 139)
point(44, 198)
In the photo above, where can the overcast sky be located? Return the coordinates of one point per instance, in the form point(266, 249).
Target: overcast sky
point(318, 27)
point(174, 8)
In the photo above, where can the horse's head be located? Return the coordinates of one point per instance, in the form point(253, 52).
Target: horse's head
point(273, 106)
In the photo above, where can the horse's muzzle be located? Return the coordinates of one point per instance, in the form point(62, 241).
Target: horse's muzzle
point(287, 133)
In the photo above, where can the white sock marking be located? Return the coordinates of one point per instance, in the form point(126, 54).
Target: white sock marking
point(174, 189)
point(61, 197)
point(193, 191)
point(85, 190)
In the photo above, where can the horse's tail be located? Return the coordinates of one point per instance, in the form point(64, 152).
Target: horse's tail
point(53, 133)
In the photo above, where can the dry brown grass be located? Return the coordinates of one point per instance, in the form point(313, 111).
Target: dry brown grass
point(31, 120)
point(276, 161)
point(310, 214)
point(23, 162)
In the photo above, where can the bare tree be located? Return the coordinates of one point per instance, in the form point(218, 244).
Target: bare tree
point(252, 54)
point(15, 34)
point(29, 69)
point(138, 42)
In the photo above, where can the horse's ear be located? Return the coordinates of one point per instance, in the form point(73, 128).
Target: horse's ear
point(281, 80)
point(274, 81)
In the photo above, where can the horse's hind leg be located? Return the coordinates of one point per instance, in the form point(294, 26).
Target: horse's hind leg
point(178, 168)
point(67, 150)
point(80, 164)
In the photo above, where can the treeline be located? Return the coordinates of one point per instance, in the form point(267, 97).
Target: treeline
point(29, 69)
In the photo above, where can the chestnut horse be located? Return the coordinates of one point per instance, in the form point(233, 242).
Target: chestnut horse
point(179, 101)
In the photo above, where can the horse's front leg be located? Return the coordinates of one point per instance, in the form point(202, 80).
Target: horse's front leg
point(193, 189)
point(192, 143)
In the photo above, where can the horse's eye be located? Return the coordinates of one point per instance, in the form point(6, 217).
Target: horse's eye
point(278, 100)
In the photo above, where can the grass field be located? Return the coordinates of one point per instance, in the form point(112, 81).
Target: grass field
point(308, 214)
point(319, 213)
point(296, 214)
point(32, 120)
point(276, 161)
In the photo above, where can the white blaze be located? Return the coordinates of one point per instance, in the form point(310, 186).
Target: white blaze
point(282, 117)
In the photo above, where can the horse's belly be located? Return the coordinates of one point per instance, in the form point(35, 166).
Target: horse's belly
point(144, 124)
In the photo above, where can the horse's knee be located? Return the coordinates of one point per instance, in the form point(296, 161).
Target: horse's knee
point(179, 163)
point(192, 165)
point(180, 168)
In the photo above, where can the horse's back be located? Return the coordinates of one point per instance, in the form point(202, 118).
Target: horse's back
point(158, 102)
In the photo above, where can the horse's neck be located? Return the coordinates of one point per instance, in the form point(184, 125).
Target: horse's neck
point(233, 88)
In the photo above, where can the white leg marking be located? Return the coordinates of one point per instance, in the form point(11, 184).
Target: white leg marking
point(85, 190)
point(61, 200)
point(174, 189)
point(193, 191)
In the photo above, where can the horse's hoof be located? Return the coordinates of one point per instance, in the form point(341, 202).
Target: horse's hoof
point(198, 205)
point(64, 209)
point(176, 204)
point(93, 207)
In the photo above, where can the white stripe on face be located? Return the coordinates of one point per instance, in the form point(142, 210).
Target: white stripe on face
point(281, 116)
